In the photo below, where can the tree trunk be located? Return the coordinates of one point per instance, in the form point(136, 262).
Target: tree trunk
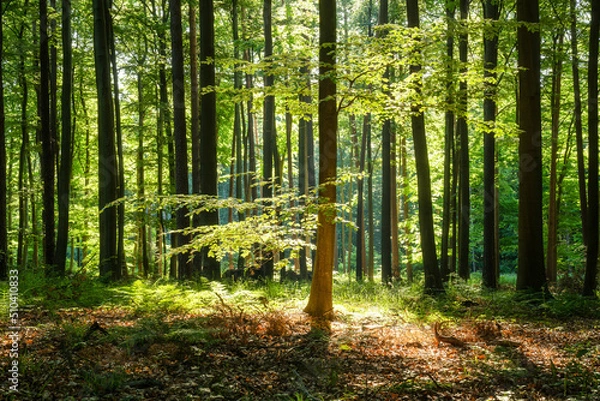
point(208, 134)
point(386, 172)
point(195, 121)
point(490, 229)
point(591, 262)
point(66, 160)
point(448, 142)
point(269, 141)
point(180, 138)
point(143, 260)
point(46, 142)
point(583, 204)
point(361, 251)
point(553, 206)
point(320, 303)
point(107, 157)
point(531, 274)
point(433, 278)
point(462, 132)
point(306, 168)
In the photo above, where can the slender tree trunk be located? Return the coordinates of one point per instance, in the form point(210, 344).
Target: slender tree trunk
point(462, 132)
point(107, 157)
point(361, 251)
point(143, 259)
point(179, 135)
point(269, 141)
point(583, 204)
point(386, 176)
point(433, 278)
point(195, 121)
point(66, 159)
point(449, 141)
point(591, 264)
point(306, 170)
point(551, 251)
point(320, 303)
point(490, 228)
point(408, 236)
point(46, 141)
point(531, 274)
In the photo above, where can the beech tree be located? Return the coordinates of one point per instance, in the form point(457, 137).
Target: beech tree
point(433, 279)
point(208, 134)
point(180, 136)
point(107, 157)
point(531, 273)
point(66, 158)
point(320, 302)
point(490, 59)
point(591, 265)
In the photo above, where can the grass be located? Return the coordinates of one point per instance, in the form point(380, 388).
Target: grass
point(146, 297)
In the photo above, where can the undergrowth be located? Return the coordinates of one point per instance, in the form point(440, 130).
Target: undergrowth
point(148, 297)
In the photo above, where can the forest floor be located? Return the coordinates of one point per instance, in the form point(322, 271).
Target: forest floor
point(260, 351)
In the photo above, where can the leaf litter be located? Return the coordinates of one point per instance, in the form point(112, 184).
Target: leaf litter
point(229, 353)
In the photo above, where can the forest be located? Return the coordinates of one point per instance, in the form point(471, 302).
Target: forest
point(299, 200)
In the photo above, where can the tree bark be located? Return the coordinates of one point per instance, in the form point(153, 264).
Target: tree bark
point(184, 270)
point(591, 263)
point(448, 143)
point(433, 279)
point(107, 157)
point(583, 204)
point(531, 274)
point(320, 303)
point(490, 229)
point(208, 134)
point(553, 205)
point(66, 159)
point(47, 143)
point(462, 132)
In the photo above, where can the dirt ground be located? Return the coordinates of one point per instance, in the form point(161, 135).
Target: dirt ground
point(230, 354)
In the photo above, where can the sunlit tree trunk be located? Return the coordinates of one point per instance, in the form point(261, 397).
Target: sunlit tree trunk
point(531, 274)
point(320, 303)
point(433, 278)
point(591, 263)
point(490, 229)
